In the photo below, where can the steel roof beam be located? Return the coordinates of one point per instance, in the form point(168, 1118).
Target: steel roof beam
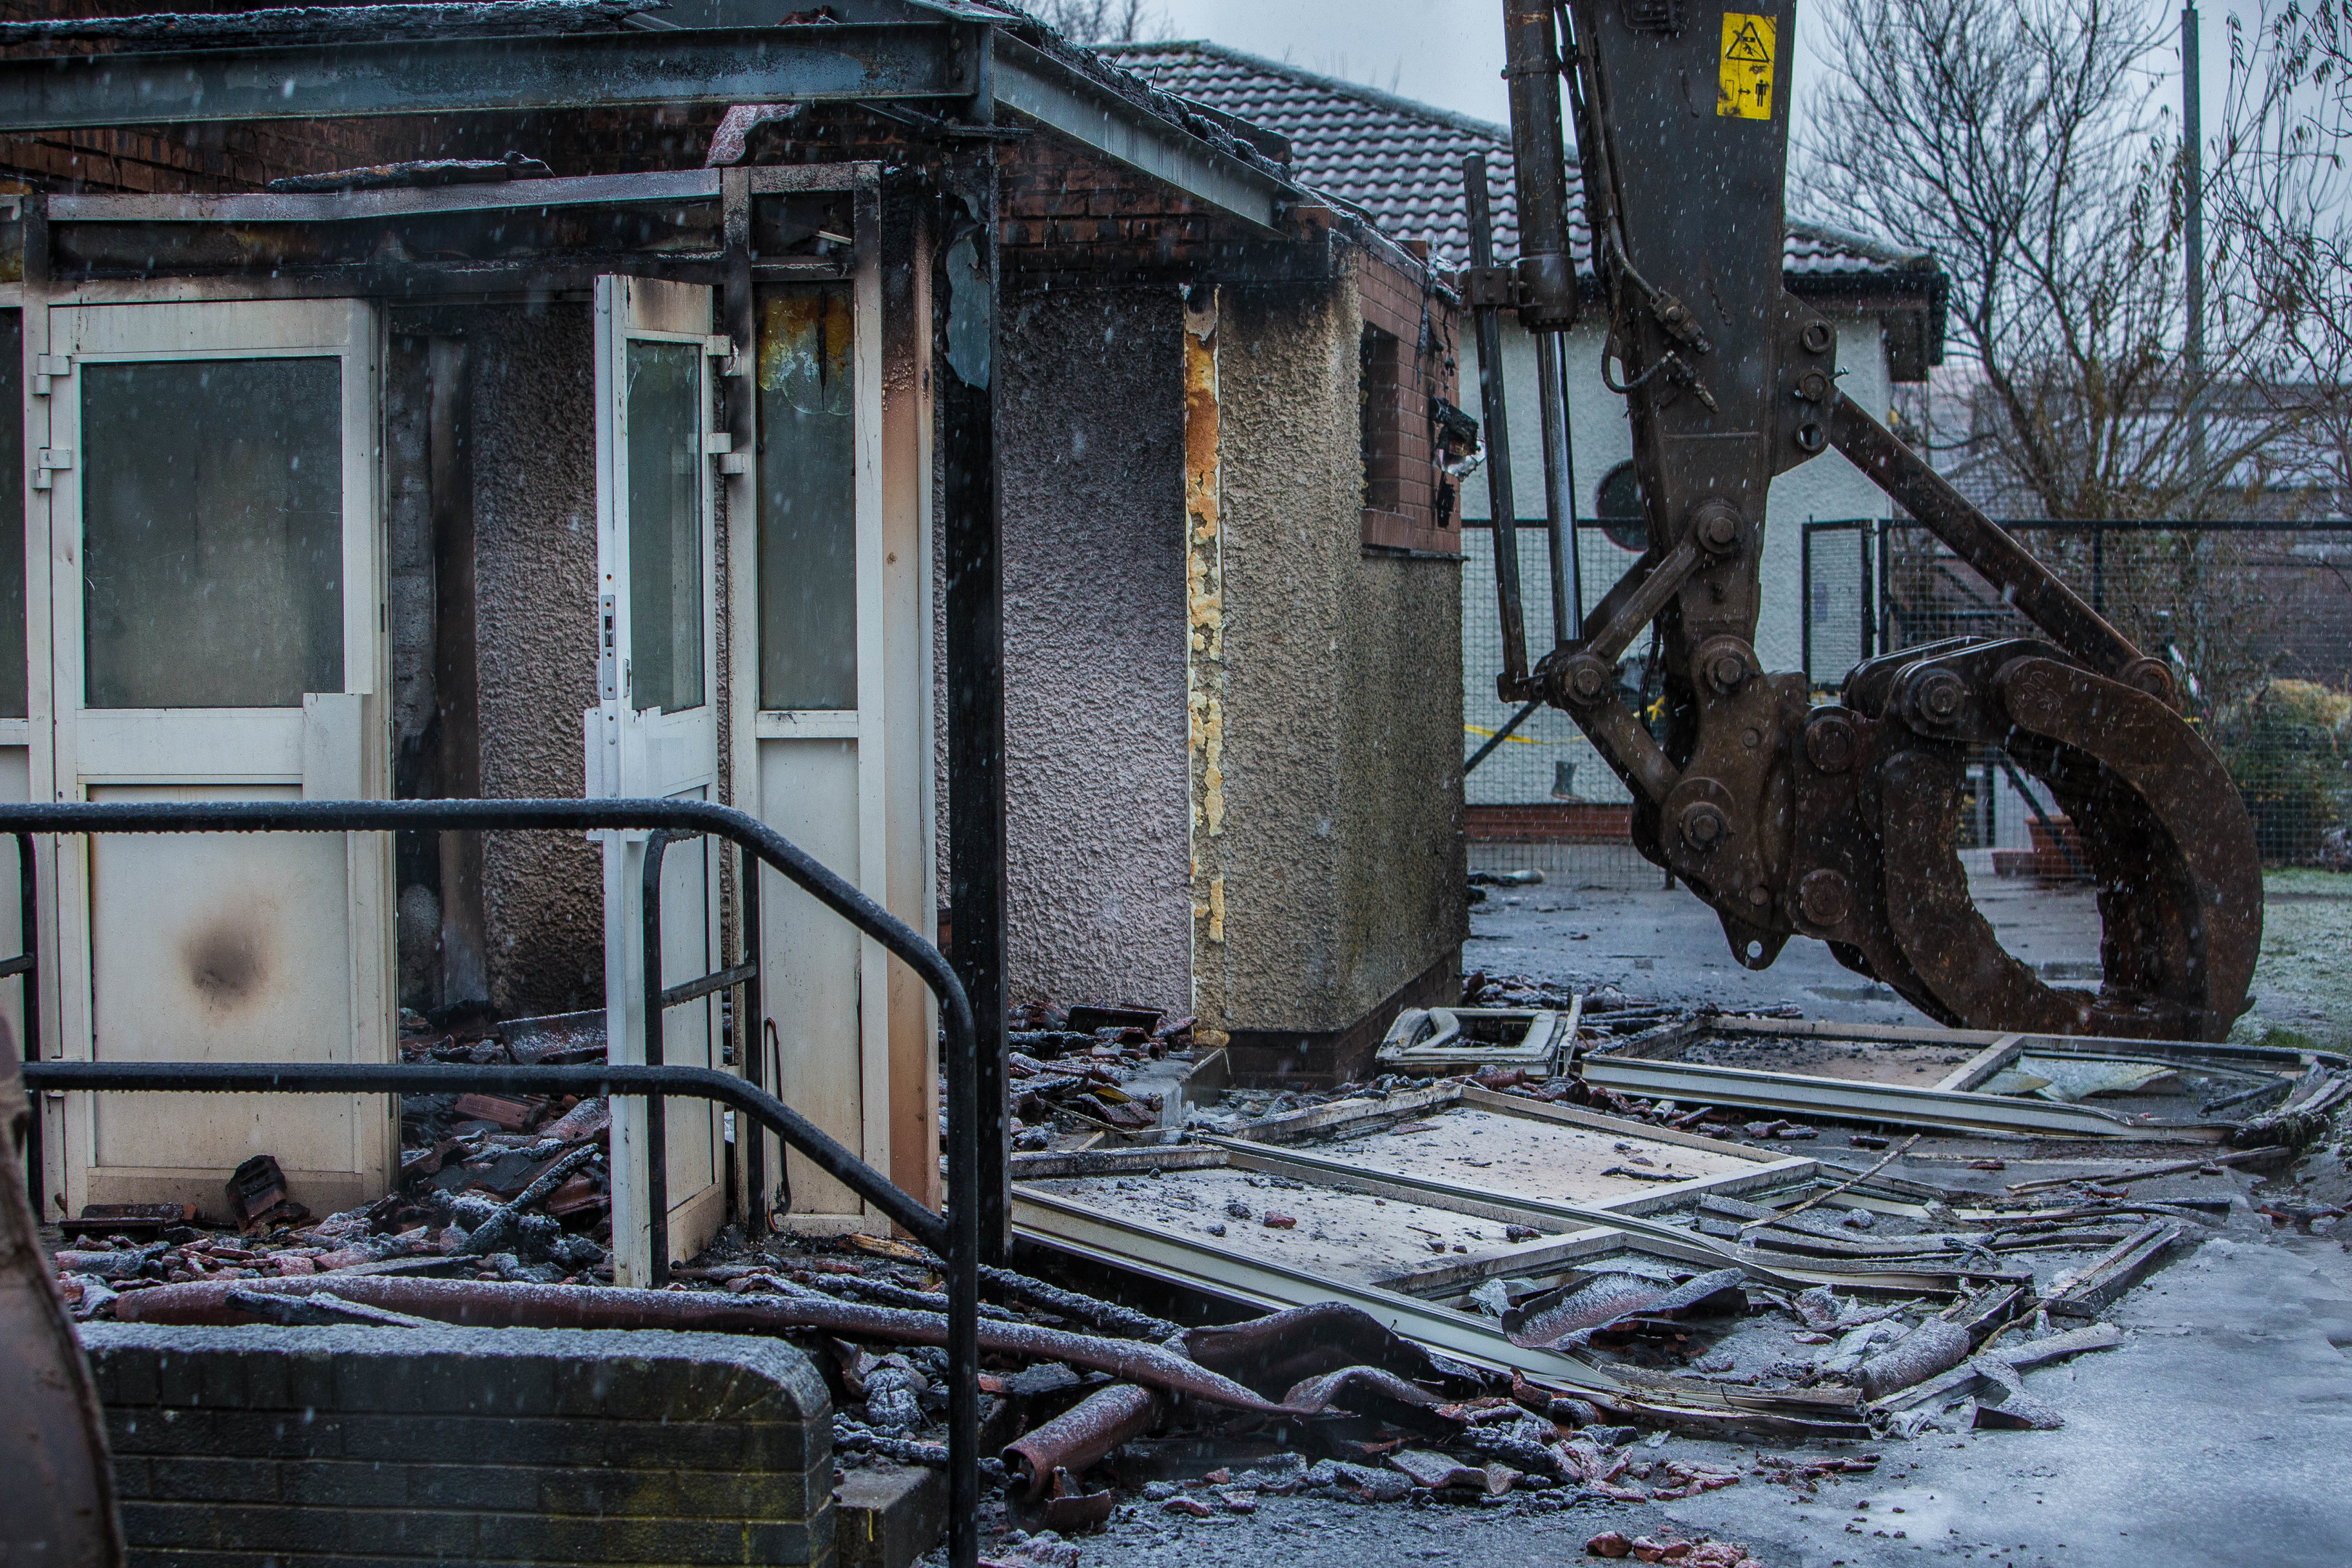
point(634, 69)
point(1032, 83)
point(478, 75)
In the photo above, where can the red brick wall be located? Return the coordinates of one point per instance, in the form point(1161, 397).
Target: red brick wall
point(1066, 212)
point(1550, 822)
point(1401, 474)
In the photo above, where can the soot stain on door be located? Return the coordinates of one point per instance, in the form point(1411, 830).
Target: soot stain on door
point(228, 961)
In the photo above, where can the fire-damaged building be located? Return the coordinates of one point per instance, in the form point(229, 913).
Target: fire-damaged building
point(1039, 513)
point(738, 779)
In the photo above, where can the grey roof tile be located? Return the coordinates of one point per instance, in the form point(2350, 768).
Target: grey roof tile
point(1400, 161)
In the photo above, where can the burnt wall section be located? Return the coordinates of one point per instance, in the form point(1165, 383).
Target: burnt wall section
point(408, 508)
point(533, 423)
point(1090, 427)
point(445, 1445)
point(1340, 845)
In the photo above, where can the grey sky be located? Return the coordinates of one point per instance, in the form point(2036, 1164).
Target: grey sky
point(1449, 53)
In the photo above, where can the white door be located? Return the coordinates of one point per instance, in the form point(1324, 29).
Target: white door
point(655, 731)
point(16, 728)
point(205, 497)
point(833, 689)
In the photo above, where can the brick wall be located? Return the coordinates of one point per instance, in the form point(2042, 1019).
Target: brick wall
point(362, 1446)
point(1414, 361)
point(1550, 822)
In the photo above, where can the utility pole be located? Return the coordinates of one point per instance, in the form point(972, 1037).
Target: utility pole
point(2193, 181)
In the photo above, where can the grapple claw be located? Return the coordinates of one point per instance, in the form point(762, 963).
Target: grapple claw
point(2166, 840)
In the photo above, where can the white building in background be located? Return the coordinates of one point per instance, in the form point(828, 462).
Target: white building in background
point(1401, 164)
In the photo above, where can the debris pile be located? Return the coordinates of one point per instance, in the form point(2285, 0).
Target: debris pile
point(490, 1187)
point(1065, 1069)
point(1671, 1546)
point(1828, 1303)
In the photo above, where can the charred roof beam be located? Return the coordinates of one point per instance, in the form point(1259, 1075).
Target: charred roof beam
point(314, 78)
point(460, 75)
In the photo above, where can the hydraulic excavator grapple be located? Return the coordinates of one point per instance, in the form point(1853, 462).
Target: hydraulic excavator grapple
point(1837, 822)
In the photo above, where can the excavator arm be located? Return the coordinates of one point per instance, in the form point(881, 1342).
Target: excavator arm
point(1837, 821)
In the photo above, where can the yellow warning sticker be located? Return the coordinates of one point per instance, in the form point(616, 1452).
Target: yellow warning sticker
point(1744, 87)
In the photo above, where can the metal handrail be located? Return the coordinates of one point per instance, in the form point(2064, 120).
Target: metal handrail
point(659, 1000)
point(470, 1078)
point(955, 1234)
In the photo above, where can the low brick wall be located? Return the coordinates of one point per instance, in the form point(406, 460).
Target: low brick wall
point(361, 1446)
point(1550, 822)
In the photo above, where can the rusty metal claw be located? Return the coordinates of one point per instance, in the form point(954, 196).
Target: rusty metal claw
point(2166, 838)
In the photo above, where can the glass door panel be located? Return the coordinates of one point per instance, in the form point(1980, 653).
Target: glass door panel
point(808, 500)
point(211, 533)
point(666, 398)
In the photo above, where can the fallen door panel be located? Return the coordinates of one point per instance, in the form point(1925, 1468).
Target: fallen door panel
point(1519, 1155)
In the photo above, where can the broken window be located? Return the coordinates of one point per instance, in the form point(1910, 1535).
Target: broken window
point(213, 532)
point(1404, 381)
point(665, 525)
point(808, 503)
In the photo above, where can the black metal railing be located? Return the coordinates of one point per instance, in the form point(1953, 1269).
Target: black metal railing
point(954, 1236)
point(659, 1000)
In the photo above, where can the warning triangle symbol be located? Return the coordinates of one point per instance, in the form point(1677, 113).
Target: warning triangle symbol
point(1750, 46)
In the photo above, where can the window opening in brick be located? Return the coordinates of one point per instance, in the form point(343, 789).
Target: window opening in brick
point(1378, 395)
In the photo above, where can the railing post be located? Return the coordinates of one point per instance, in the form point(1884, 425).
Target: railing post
point(748, 1045)
point(28, 919)
point(656, 1108)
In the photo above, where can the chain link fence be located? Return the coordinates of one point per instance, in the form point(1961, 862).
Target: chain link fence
point(2256, 618)
point(1543, 800)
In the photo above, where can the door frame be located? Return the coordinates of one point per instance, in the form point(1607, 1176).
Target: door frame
point(223, 324)
point(889, 274)
point(636, 308)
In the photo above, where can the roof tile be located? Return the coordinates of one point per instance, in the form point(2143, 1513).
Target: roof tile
point(1400, 161)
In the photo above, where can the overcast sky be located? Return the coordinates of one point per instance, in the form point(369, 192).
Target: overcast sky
point(1450, 52)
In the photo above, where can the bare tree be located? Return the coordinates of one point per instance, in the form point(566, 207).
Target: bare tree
point(1102, 21)
point(2282, 200)
point(2024, 143)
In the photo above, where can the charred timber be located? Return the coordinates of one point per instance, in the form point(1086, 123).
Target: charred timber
point(322, 24)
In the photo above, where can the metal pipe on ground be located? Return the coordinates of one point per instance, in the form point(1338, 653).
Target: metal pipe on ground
point(1080, 1436)
point(1934, 1347)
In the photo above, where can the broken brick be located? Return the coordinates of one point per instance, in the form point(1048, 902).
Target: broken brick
point(513, 1115)
point(257, 1196)
point(1279, 1221)
point(1609, 1544)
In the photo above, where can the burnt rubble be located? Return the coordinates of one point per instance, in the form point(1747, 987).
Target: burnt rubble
point(1866, 1302)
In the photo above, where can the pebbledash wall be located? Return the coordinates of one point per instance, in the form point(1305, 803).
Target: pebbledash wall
point(1092, 436)
point(443, 1445)
point(514, 506)
point(1328, 856)
point(1188, 586)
